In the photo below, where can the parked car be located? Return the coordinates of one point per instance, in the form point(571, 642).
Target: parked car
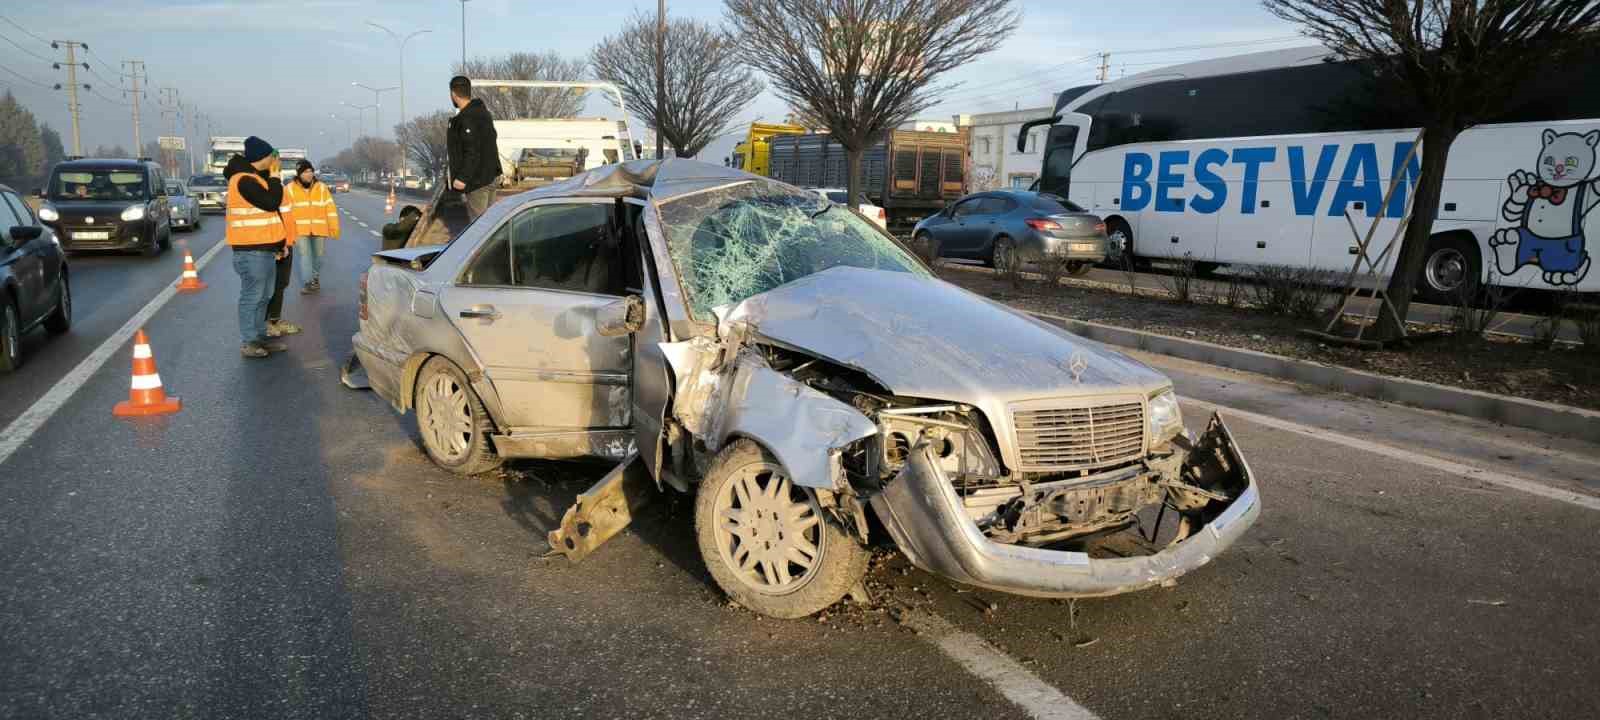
point(102, 204)
point(210, 192)
point(411, 182)
point(33, 279)
point(183, 207)
point(1003, 226)
point(871, 212)
point(795, 368)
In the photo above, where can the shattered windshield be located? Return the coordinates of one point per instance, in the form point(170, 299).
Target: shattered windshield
point(736, 241)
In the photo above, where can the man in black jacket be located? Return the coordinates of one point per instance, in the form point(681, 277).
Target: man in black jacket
point(474, 156)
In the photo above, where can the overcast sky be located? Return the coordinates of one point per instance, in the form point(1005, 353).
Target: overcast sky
point(279, 68)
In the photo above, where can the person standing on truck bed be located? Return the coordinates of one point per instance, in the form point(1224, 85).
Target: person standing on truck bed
point(256, 234)
point(474, 155)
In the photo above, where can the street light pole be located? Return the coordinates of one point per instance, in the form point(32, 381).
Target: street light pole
point(361, 109)
point(661, 70)
point(377, 106)
point(402, 42)
point(463, 37)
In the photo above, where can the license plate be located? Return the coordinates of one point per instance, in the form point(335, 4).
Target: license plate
point(92, 235)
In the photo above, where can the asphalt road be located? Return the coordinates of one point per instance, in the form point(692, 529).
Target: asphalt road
point(281, 548)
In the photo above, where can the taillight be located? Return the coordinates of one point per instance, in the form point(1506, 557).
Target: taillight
point(361, 305)
point(882, 215)
point(1100, 228)
point(1043, 224)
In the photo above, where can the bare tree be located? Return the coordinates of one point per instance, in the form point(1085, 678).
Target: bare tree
point(861, 67)
point(507, 103)
point(1459, 60)
point(375, 155)
point(706, 83)
point(422, 139)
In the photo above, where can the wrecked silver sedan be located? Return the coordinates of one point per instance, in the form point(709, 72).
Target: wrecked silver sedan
point(807, 378)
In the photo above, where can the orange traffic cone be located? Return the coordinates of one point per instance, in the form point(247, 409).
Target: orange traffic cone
point(388, 204)
point(190, 282)
point(146, 397)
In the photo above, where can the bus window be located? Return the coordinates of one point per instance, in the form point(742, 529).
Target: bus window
point(1056, 174)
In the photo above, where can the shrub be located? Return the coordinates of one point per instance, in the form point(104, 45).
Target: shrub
point(1052, 267)
point(1296, 292)
point(1180, 283)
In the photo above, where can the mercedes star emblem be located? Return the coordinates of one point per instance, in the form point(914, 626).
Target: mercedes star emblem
point(1076, 365)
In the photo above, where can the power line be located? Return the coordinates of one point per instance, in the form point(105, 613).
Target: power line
point(19, 46)
point(97, 94)
point(24, 30)
point(25, 78)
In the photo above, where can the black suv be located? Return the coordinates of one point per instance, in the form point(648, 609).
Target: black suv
point(33, 279)
point(108, 205)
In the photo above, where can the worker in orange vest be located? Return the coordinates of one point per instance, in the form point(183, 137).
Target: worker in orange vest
point(312, 218)
point(256, 235)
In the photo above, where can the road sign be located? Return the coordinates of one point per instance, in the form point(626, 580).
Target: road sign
point(170, 143)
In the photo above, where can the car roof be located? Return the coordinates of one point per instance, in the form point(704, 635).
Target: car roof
point(90, 163)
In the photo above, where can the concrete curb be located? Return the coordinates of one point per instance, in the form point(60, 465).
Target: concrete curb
point(1518, 412)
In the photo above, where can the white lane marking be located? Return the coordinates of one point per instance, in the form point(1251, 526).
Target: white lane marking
point(29, 422)
point(1035, 697)
point(1467, 471)
point(362, 224)
point(375, 233)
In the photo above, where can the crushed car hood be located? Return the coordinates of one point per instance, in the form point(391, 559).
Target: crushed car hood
point(921, 337)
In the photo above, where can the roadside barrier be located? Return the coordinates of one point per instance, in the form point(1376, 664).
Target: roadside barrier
point(146, 396)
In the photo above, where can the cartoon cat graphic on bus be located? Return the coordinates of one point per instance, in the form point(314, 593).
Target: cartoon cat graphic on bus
point(1548, 208)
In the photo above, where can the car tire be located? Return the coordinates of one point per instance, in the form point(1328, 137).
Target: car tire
point(753, 537)
point(166, 241)
point(60, 319)
point(10, 336)
point(1079, 269)
point(1452, 271)
point(452, 421)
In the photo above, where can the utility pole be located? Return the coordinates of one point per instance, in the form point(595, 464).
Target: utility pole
point(188, 134)
point(72, 87)
point(135, 71)
point(170, 103)
point(661, 71)
point(1105, 65)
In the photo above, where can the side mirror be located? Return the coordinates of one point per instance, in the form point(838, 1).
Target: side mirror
point(23, 233)
point(623, 317)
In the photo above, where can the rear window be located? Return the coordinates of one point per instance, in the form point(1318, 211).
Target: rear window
point(1055, 204)
point(99, 185)
point(207, 180)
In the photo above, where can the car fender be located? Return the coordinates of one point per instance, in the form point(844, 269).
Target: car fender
point(802, 426)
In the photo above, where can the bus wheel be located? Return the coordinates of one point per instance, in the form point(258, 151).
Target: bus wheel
point(1120, 238)
point(1450, 272)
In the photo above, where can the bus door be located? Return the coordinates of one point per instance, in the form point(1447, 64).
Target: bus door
point(1067, 141)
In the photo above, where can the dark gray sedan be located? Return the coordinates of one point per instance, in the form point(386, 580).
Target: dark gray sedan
point(1002, 226)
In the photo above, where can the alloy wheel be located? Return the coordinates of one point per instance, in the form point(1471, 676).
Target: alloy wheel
point(13, 336)
point(769, 531)
point(446, 419)
point(1446, 270)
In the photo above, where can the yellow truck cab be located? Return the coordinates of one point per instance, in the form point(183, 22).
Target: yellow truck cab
point(752, 154)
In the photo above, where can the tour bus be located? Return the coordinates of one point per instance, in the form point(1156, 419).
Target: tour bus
point(1256, 159)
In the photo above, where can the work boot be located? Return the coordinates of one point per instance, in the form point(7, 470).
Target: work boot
point(253, 350)
point(274, 346)
point(312, 287)
point(279, 328)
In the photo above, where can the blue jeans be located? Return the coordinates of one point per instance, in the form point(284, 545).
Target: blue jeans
point(257, 270)
point(308, 252)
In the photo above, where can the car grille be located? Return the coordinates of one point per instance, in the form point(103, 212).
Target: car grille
point(1055, 439)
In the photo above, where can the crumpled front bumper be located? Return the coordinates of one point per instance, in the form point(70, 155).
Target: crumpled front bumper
point(924, 515)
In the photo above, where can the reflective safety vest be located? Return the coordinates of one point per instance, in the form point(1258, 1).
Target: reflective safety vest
point(311, 210)
point(248, 224)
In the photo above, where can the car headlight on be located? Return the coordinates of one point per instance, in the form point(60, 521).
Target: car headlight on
point(133, 213)
point(49, 214)
point(1163, 418)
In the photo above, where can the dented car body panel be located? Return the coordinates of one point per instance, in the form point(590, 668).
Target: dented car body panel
point(996, 449)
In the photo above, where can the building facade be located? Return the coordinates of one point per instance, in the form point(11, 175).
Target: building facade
point(992, 149)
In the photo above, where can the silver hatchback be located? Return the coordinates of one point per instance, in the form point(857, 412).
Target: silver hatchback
point(722, 334)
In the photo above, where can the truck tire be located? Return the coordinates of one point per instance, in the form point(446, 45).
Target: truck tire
point(766, 541)
point(1452, 271)
point(452, 421)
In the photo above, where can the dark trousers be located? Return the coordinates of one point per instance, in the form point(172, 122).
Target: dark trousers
point(285, 272)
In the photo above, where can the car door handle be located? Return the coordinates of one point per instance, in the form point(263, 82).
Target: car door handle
point(487, 313)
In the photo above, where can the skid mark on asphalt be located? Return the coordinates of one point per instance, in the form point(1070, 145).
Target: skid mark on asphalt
point(21, 429)
point(1034, 696)
point(1589, 502)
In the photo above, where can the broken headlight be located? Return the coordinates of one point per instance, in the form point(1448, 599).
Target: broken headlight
point(1163, 418)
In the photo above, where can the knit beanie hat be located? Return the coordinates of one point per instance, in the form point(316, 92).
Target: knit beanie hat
point(303, 166)
point(255, 149)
